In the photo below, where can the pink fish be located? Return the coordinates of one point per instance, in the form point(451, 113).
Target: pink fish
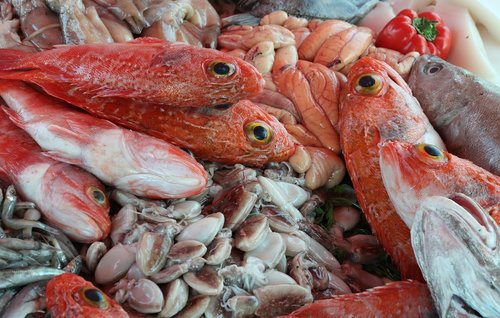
point(68, 197)
point(128, 160)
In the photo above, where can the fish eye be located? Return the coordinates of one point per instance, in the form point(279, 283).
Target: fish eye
point(97, 195)
point(94, 297)
point(221, 69)
point(433, 68)
point(431, 151)
point(259, 132)
point(369, 84)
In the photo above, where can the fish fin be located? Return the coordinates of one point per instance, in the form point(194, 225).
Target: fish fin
point(14, 117)
point(59, 156)
point(9, 58)
point(77, 135)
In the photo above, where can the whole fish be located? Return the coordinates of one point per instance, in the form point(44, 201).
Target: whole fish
point(68, 197)
point(142, 71)
point(376, 105)
point(457, 245)
point(241, 133)
point(126, 159)
point(463, 108)
point(69, 295)
point(395, 299)
point(348, 10)
point(412, 173)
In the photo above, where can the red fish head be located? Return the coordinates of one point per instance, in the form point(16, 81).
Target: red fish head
point(411, 173)
point(206, 77)
point(256, 137)
point(69, 295)
point(228, 74)
point(75, 203)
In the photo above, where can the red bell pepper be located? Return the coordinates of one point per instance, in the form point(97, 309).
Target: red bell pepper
point(423, 32)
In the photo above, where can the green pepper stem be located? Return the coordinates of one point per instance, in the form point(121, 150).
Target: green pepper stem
point(426, 27)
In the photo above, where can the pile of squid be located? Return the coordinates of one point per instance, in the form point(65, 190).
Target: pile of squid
point(186, 181)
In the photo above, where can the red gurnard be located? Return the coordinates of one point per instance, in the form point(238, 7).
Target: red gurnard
point(68, 197)
point(126, 159)
point(411, 173)
point(241, 133)
point(69, 295)
point(377, 105)
point(393, 300)
point(142, 71)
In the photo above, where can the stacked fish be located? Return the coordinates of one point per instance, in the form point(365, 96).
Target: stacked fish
point(235, 240)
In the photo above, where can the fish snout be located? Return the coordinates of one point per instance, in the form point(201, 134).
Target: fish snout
point(252, 82)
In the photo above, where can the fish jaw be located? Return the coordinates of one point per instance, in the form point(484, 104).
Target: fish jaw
point(457, 247)
point(402, 180)
point(252, 81)
point(65, 294)
point(64, 194)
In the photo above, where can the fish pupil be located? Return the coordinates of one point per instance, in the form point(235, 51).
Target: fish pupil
point(221, 68)
point(93, 295)
point(366, 81)
point(260, 133)
point(98, 195)
point(432, 150)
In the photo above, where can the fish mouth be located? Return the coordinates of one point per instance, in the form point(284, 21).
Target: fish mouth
point(476, 219)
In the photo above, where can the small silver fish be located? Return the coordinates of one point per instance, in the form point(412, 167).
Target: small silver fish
point(457, 245)
point(348, 10)
point(463, 108)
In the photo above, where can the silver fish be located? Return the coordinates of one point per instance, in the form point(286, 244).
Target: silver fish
point(463, 108)
point(348, 10)
point(457, 246)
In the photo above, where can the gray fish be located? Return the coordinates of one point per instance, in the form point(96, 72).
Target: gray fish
point(463, 108)
point(457, 246)
point(348, 10)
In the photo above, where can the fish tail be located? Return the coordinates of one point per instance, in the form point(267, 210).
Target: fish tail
point(13, 63)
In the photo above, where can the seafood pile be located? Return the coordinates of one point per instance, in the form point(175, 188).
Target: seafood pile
point(244, 158)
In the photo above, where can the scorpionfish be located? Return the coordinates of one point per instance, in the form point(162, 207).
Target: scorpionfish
point(69, 295)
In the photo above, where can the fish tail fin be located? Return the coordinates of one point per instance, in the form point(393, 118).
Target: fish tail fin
point(13, 63)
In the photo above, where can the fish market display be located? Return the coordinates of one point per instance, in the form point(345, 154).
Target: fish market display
point(467, 116)
point(70, 293)
point(376, 106)
point(266, 176)
point(465, 282)
point(131, 161)
point(69, 198)
point(143, 71)
point(413, 172)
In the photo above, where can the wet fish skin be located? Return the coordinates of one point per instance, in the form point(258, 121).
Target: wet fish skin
point(463, 108)
point(348, 10)
point(468, 277)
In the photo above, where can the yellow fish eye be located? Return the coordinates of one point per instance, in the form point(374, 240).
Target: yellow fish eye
point(94, 297)
point(369, 84)
point(431, 151)
point(259, 132)
point(97, 195)
point(221, 69)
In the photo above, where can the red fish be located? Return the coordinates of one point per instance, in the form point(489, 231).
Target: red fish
point(70, 296)
point(132, 161)
point(411, 173)
point(142, 71)
point(242, 133)
point(68, 197)
point(377, 105)
point(393, 300)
